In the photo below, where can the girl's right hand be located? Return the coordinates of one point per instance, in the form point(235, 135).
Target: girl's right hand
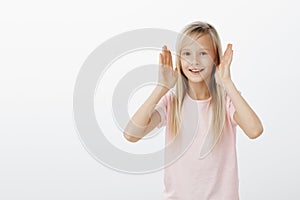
point(167, 76)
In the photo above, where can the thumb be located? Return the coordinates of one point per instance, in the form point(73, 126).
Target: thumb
point(176, 70)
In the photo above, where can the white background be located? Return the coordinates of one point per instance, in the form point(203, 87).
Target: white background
point(43, 45)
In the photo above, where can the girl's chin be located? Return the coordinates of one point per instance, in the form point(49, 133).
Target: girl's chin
point(197, 79)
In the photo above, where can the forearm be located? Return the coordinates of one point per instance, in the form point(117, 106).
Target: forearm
point(245, 117)
point(143, 114)
point(139, 121)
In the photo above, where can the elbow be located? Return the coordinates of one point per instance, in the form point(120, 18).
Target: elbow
point(256, 133)
point(130, 138)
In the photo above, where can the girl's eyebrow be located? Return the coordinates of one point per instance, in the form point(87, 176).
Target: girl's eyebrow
point(200, 49)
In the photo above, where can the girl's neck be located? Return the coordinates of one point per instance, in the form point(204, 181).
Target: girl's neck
point(198, 91)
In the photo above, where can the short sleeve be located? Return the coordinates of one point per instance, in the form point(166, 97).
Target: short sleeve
point(162, 108)
point(231, 110)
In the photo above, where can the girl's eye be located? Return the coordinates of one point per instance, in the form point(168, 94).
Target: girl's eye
point(186, 53)
point(203, 53)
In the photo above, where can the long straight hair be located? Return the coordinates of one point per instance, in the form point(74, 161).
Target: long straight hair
point(217, 104)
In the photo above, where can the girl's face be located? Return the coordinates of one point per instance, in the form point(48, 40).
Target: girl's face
point(197, 59)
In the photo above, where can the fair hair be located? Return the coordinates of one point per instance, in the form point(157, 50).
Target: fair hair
point(217, 104)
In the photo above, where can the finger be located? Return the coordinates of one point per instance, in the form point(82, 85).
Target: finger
point(167, 56)
point(227, 55)
point(163, 59)
point(170, 59)
point(228, 49)
point(164, 55)
point(175, 72)
point(160, 59)
point(231, 56)
point(229, 46)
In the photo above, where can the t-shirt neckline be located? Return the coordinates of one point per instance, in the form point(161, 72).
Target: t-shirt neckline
point(198, 101)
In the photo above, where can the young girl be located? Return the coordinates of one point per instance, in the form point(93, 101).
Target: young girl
point(207, 167)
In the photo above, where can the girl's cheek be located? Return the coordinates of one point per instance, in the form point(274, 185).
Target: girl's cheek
point(184, 64)
point(206, 61)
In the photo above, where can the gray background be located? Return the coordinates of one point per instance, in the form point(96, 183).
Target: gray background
point(43, 45)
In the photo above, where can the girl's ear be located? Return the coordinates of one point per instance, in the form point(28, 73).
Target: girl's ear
point(216, 60)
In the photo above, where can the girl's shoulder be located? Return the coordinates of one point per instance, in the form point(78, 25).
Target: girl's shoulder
point(170, 95)
point(166, 100)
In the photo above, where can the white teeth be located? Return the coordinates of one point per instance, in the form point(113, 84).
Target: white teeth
point(196, 70)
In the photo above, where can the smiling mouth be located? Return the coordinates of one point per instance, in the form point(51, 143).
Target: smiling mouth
point(196, 71)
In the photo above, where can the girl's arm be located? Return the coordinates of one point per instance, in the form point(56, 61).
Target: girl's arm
point(244, 116)
point(146, 117)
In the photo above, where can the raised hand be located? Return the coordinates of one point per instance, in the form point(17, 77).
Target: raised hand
point(167, 76)
point(223, 69)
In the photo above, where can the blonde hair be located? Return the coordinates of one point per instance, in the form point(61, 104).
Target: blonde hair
point(217, 104)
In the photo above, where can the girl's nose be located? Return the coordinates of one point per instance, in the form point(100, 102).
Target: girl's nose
point(195, 60)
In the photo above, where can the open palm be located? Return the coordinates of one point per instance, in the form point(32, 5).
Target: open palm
point(223, 69)
point(167, 76)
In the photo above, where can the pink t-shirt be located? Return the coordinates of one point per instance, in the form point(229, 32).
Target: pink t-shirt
point(214, 177)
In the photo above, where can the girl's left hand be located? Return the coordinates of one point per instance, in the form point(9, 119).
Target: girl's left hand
point(223, 69)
